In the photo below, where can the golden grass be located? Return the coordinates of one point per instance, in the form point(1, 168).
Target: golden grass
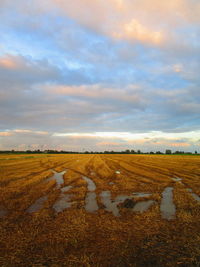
point(77, 238)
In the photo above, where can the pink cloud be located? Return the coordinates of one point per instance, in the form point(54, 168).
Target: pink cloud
point(183, 144)
point(150, 22)
point(134, 30)
point(8, 62)
point(6, 134)
point(114, 144)
point(131, 94)
point(25, 131)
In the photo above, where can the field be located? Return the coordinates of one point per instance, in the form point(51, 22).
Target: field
point(99, 210)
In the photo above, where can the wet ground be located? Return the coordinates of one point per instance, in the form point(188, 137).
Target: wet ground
point(37, 205)
point(195, 196)
point(58, 177)
point(167, 207)
point(110, 204)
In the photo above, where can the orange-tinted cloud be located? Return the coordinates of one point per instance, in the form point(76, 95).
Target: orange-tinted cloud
point(179, 144)
point(134, 30)
point(150, 22)
point(8, 62)
point(131, 95)
point(6, 134)
point(24, 131)
point(114, 144)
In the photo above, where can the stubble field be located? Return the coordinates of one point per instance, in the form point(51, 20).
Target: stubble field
point(99, 210)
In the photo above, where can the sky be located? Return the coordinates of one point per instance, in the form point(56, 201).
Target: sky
point(100, 75)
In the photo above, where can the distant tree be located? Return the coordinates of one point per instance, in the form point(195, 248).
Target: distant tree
point(195, 152)
point(151, 152)
point(139, 152)
point(158, 152)
point(132, 151)
point(127, 151)
point(168, 151)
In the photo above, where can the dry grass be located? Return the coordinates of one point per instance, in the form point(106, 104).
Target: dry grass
point(77, 238)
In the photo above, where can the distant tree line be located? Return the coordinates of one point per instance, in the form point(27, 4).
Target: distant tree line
point(127, 151)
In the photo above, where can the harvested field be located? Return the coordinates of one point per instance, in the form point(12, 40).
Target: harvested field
point(99, 210)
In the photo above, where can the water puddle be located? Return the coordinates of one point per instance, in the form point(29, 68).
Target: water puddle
point(167, 207)
point(37, 205)
point(195, 196)
point(111, 183)
point(62, 203)
point(58, 176)
point(64, 200)
point(117, 172)
point(91, 185)
point(138, 194)
point(91, 202)
point(121, 199)
point(112, 205)
point(109, 205)
point(143, 206)
point(66, 188)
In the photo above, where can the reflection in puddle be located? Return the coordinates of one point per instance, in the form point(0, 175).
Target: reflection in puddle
point(143, 206)
point(66, 188)
point(121, 199)
point(91, 202)
point(58, 176)
point(167, 207)
point(91, 185)
point(195, 196)
point(62, 203)
point(3, 211)
point(141, 194)
point(110, 206)
point(37, 205)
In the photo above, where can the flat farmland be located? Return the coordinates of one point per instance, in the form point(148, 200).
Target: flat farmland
point(99, 210)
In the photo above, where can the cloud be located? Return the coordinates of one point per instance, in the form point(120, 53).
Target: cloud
point(136, 31)
point(8, 63)
point(130, 94)
point(5, 134)
point(146, 21)
point(109, 144)
point(22, 131)
point(149, 22)
point(102, 141)
point(179, 144)
point(88, 67)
